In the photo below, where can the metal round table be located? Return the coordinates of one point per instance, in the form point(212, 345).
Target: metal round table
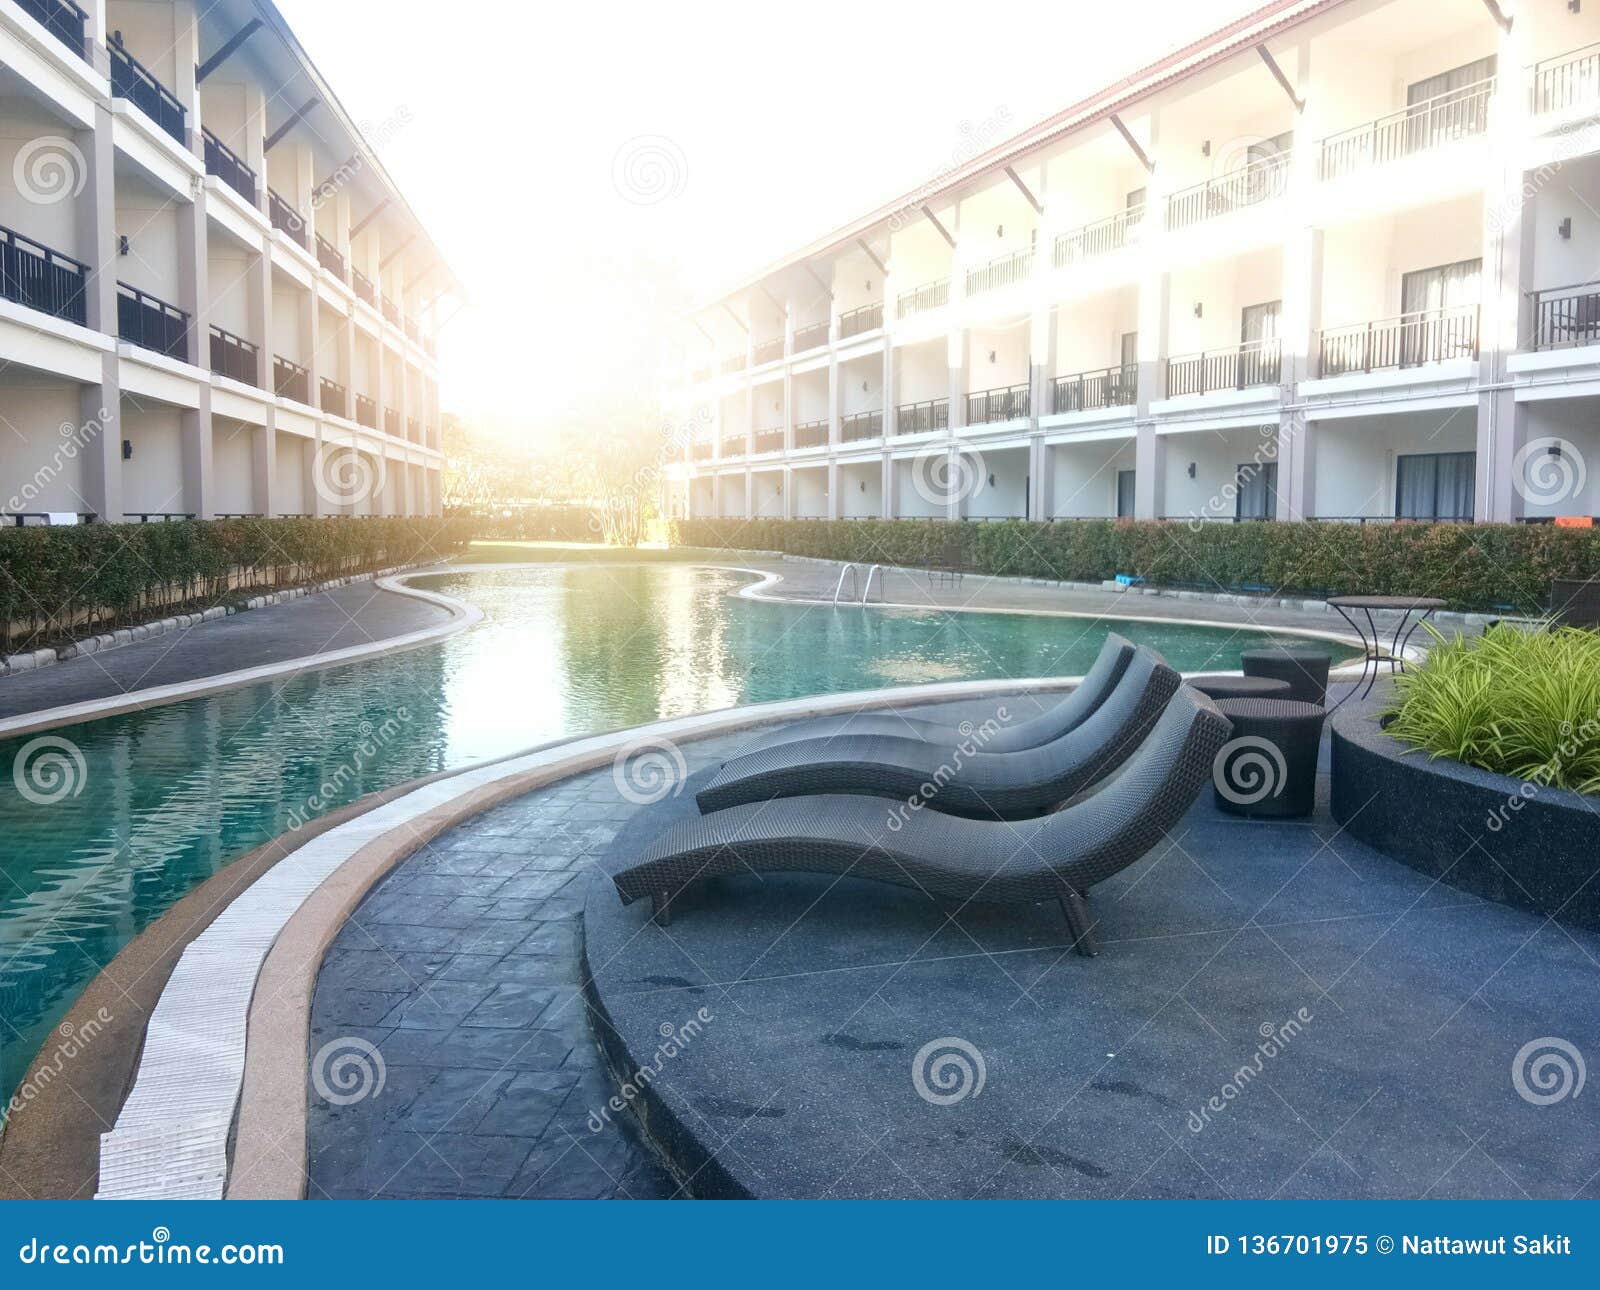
point(1372, 646)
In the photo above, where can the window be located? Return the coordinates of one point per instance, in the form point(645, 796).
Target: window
point(1258, 350)
point(1435, 486)
point(1257, 495)
point(1427, 335)
point(1451, 105)
point(1125, 494)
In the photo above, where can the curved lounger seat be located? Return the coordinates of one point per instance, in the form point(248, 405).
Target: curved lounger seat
point(1072, 711)
point(1057, 858)
point(960, 778)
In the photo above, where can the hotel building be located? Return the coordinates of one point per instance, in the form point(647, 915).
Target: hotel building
point(1338, 260)
point(215, 301)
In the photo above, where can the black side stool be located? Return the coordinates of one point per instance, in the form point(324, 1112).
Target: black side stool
point(1242, 687)
point(1269, 766)
point(1305, 668)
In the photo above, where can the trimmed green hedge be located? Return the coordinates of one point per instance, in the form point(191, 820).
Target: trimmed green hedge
point(57, 582)
point(1473, 566)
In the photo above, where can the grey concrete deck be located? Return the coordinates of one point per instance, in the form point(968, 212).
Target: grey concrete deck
point(356, 614)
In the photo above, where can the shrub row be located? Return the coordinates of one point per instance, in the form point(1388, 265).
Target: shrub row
point(1502, 567)
point(530, 523)
point(56, 582)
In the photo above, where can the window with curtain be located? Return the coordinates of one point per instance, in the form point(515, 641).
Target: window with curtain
point(1257, 495)
point(1448, 106)
point(1125, 494)
point(1426, 336)
point(1258, 361)
point(1435, 486)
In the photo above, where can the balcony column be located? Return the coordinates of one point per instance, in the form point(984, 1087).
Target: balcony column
point(199, 494)
point(956, 504)
point(264, 466)
point(749, 412)
point(1040, 502)
point(891, 387)
point(833, 490)
point(310, 465)
point(95, 216)
point(186, 50)
point(886, 488)
point(835, 399)
point(1301, 322)
point(255, 138)
point(1508, 238)
point(788, 492)
point(1155, 310)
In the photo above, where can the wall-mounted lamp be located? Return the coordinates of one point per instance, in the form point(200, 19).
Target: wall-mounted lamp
point(1554, 450)
point(991, 479)
point(863, 485)
point(991, 355)
point(999, 230)
point(1199, 309)
point(127, 450)
point(1572, 6)
point(1205, 148)
point(1565, 229)
point(863, 387)
point(869, 285)
point(1191, 470)
point(122, 244)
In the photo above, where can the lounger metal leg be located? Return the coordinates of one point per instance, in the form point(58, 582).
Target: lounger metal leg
point(661, 909)
point(1079, 923)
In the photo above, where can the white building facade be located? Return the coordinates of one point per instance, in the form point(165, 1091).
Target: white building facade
point(214, 302)
point(1339, 261)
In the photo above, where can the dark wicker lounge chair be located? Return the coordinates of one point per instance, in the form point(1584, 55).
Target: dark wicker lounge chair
point(1059, 857)
point(958, 778)
point(1071, 712)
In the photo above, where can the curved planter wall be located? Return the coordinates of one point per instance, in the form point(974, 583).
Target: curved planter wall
point(1537, 848)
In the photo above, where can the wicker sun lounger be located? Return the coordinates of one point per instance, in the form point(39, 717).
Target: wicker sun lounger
point(1055, 858)
point(1072, 711)
point(960, 778)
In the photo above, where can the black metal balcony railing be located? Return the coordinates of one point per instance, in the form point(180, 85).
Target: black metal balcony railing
point(290, 380)
point(412, 330)
point(391, 310)
point(768, 351)
point(32, 274)
point(234, 357)
point(733, 445)
point(333, 397)
point(1109, 387)
point(287, 220)
point(865, 319)
point(700, 451)
point(413, 430)
point(1566, 81)
point(1457, 114)
point(917, 418)
point(701, 373)
point(1258, 362)
point(62, 19)
point(919, 300)
point(131, 80)
point(1564, 316)
point(151, 323)
point(225, 164)
point(366, 412)
point(362, 286)
point(1408, 340)
point(329, 258)
point(769, 441)
point(732, 363)
point(391, 422)
point(862, 425)
point(1243, 186)
point(811, 434)
point(1002, 271)
point(1099, 238)
point(1009, 403)
point(812, 337)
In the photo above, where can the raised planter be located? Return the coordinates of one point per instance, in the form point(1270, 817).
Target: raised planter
point(1500, 838)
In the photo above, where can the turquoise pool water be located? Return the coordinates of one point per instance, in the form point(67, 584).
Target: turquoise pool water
point(166, 798)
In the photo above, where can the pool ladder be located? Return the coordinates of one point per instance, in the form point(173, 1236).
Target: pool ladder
point(854, 573)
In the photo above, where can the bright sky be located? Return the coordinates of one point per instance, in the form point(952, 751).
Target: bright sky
point(779, 122)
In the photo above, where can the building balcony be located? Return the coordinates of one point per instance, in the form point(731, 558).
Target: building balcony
point(366, 412)
point(413, 430)
point(1109, 387)
point(1567, 81)
point(33, 275)
point(391, 422)
point(811, 434)
point(700, 451)
point(1237, 189)
point(769, 440)
point(919, 418)
point(1566, 316)
point(812, 337)
point(1407, 340)
point(861, 425)
point(234, 357)
point(1002, 271)
point(329, 258)
point(151, 323)
point(1008, 403)
point(768, 351)
point(131, 80)
point(390, 309)
point(1099, 238)
point(62, 19)
point(732, 363)
point(287, 220)
point(924, 299)
point(412, 329)
point(362, 286)
point(1255, 363)
point(291, 381)
point(732, 446)
point(334, 399)
point(224, 163)
point(858, 321)
point(1458, 114)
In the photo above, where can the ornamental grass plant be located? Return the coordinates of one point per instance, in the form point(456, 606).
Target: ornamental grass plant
point(1520, 703)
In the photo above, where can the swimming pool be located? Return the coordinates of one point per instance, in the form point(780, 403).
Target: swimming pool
point(165, 798)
